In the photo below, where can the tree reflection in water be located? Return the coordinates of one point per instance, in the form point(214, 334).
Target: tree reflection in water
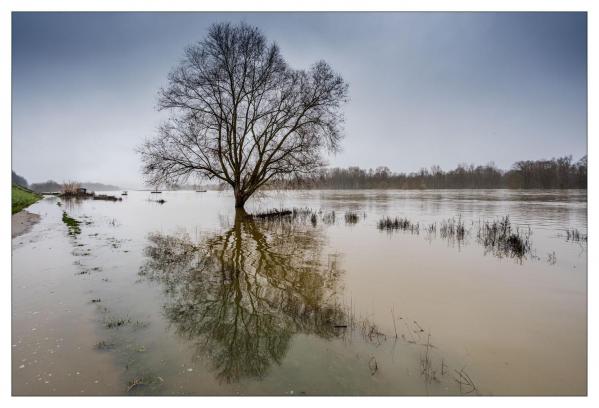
point(242, 295)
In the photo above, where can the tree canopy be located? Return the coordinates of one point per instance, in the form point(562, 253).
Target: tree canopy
point(240, 114)
point(19, 180)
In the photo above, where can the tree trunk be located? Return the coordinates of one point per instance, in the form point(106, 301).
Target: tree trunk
point(240, 199)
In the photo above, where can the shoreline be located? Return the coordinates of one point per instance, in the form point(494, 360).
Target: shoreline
point(22, 222)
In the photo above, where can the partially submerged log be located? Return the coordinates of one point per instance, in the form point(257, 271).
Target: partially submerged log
point(272, 214)
point(107, 197)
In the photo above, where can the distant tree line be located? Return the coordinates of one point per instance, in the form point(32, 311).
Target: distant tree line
point(52, 186)
point(557, 173)
point(19, 180)
point(46, 187)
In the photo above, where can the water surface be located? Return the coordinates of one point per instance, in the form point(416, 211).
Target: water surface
point(190, 298)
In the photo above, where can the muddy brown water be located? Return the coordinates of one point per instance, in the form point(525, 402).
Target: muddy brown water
point(188, 298)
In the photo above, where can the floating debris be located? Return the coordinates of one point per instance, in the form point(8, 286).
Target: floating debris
point(114, 323)
point(103, 345)
point(373, 365)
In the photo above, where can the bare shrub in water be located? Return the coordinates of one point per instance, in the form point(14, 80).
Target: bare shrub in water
point(403, 224)
point(453, 229)
point(575, 235)
point(500, 237)
point(351, 217)
point(70, 187)
point(329, 218)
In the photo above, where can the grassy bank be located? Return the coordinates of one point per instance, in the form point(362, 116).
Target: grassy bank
point(22, 198)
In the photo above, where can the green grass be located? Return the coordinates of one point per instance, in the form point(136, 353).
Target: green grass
point(22, 198)
point(71, 223)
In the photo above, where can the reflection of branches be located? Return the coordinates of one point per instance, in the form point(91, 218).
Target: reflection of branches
point(241, 296)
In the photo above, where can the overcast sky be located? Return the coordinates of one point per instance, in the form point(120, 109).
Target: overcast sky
point(425, 88)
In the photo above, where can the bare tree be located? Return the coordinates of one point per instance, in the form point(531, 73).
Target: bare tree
point(241, 115)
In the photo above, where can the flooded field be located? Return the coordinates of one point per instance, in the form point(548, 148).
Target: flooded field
point(353, 293)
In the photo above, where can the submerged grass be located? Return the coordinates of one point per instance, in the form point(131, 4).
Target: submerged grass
point(71, 223)
point(575, 235)
point(329, 218)
point(145, 380)
point(465, 383)
point(431, 228)
point(402, 224)
point(301, 215)
point(453, 229)
point(433, 366)
point(498, 237)
point(351, 217)
point(305, 215)
point(115, 322)
point(503, 240)
point(314, 220)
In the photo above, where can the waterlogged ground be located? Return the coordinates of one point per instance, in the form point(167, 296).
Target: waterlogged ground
point(189, 298)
